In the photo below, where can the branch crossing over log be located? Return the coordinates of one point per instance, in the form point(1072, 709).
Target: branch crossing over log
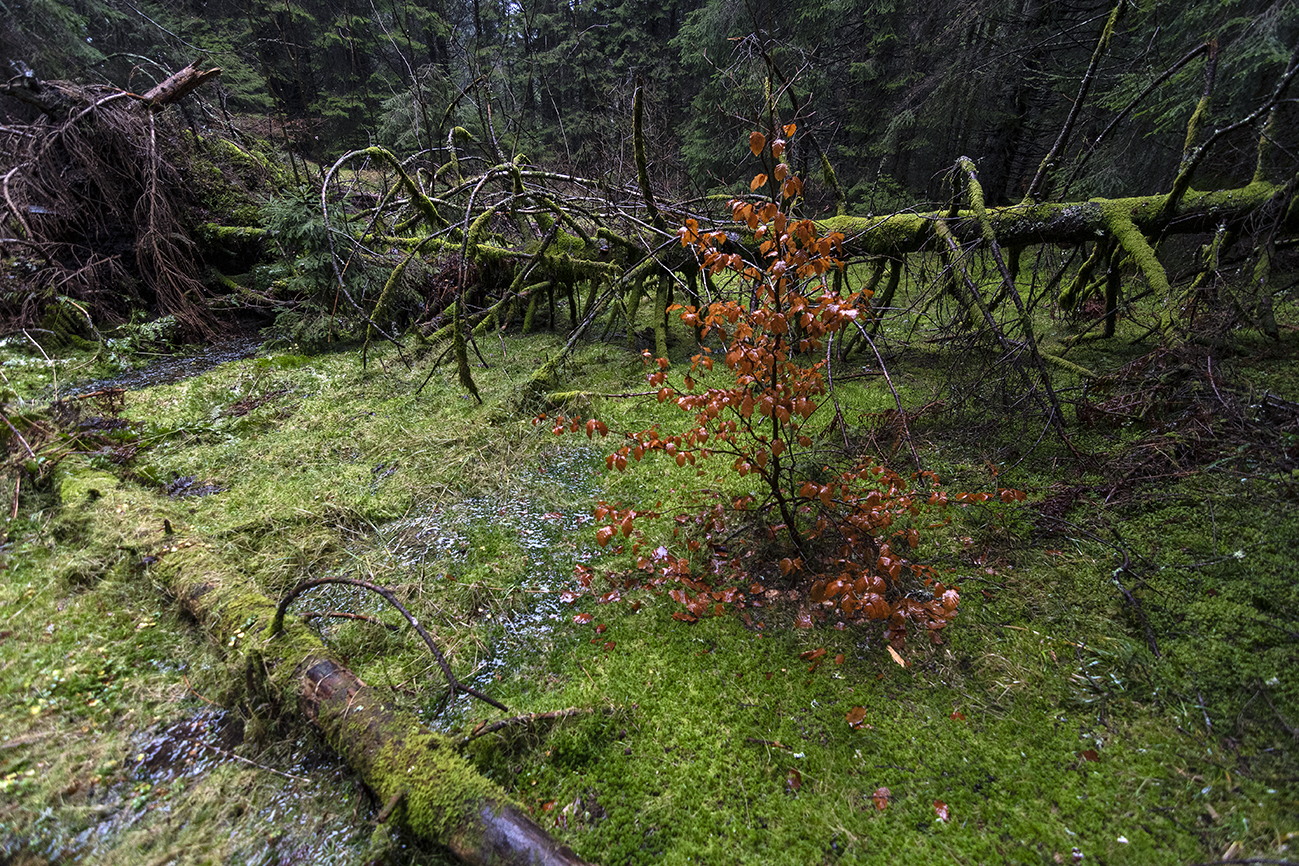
point(442, 797)
point(277, 626)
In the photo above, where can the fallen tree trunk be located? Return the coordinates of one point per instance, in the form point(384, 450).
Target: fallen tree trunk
point(898, 234)
point(430, 789)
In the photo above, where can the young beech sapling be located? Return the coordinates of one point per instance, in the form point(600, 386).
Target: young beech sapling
point(848, 532)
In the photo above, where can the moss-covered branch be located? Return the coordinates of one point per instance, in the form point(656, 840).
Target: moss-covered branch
point(437, 794)
point(1058, 223)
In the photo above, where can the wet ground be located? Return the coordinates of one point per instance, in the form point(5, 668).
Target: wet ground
point(173, 368)
point(525, 606)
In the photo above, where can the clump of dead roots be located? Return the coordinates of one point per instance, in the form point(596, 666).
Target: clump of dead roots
point(94, 212)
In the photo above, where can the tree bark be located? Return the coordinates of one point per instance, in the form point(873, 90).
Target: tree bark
point(178, 86)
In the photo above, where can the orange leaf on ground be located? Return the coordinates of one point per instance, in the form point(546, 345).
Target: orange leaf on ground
point(881, 798)
point(941, 808)
point(582, 618)
point(795, 780)
point(856, 716)
point(897, 658)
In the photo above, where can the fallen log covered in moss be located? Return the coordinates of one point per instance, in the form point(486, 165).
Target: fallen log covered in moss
point(429, 788)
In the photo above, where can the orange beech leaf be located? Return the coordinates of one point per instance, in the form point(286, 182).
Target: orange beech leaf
point(941, 809)
point(782, 171)
point(757, 141)
point(838, 659)
point(897, 658)
point(603, 534)
point(881, 798)
point(790, 129)
point(803, 619)
point(812, 655)
point(794, 780)
point(683, 616)
point(856, 716)
point(778, 148)
point(582, 618)
point(758, 180)
point(1089, 755)
point(957, 716)
point(600, 629)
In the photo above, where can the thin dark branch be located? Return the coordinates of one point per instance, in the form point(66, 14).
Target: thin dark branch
point(277, 625)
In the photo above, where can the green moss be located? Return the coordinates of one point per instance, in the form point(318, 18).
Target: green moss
point(478, 526)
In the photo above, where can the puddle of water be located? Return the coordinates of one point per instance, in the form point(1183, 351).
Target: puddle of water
point(172, 369)
point(189, 747)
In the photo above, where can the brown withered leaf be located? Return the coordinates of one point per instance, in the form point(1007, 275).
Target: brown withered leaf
point(881, 798)
point(812, 655)
point(856, 716)
point(582, 618)
point(941, 808)
point(896, 657)
point(794, 781)
point(1089, 755)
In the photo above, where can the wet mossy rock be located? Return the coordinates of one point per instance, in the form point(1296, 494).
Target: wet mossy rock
point(439, 795)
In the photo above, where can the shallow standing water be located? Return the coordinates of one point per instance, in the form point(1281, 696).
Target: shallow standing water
point(173, 368)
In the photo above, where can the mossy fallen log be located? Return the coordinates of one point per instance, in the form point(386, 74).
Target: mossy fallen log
point(1056, 222)
point(435, 792)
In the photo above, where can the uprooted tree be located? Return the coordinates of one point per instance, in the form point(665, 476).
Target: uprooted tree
point(98, 207)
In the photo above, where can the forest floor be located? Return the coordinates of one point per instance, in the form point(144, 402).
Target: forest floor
point(1120, 684)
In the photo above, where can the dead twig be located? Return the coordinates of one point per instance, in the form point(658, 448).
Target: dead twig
point(342, 614)
point(485, 728)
